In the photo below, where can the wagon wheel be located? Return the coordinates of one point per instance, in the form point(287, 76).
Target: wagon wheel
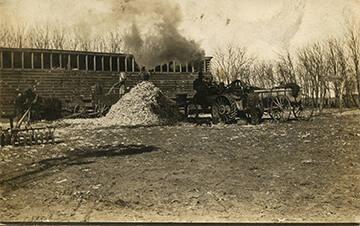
point(76, 108)
point(102, 110)
point(79, 111)
point(105, 110)
point(280, 108)
point(304, 108)
point(223, 109)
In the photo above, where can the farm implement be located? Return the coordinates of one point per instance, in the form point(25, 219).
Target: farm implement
point(22, 133)
point(227, 103)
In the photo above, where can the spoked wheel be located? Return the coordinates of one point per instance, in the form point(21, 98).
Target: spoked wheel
point(79, 110)
point(280, 109)
point(76, 109)
point(224, 109)
point(304, 108)
point(102, 110)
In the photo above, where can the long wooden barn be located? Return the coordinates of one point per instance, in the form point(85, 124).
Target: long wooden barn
point(69, 75)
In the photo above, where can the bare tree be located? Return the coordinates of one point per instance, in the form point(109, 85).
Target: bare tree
point(59, 38)
point(81, 42)
point(4, 34)
point(11, 36)
point(74, 42)
point(353, 44)
point(20, 36)
point(115, 42)
point(232, 63)
point(312, 64)
point(263, 74)
point(39, 37)
point(286, 68)
point(338, 68)
point(99, 44)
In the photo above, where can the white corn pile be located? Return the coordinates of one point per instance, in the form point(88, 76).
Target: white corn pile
point(145, 104)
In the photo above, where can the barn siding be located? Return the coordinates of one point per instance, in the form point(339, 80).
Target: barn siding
point(69, 86)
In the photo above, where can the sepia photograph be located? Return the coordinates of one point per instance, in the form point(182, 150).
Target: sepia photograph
point(180, 111)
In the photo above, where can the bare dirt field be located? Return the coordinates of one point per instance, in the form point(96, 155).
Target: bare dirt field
point(295, 171)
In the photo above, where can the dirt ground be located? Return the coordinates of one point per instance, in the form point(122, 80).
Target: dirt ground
point(279, 172)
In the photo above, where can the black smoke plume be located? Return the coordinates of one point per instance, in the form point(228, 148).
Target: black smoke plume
point(162, 42)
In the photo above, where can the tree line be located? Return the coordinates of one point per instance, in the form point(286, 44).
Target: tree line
point(61, 38)
point(328, 70)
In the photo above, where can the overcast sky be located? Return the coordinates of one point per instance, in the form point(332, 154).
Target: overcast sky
point(265, 27)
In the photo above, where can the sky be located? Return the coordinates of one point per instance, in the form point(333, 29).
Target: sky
point(265, 27)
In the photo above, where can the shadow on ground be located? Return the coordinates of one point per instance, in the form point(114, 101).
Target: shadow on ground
point(45, 167)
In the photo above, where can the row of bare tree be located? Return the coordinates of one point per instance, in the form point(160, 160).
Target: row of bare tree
point(50, 37)
point(329, 71)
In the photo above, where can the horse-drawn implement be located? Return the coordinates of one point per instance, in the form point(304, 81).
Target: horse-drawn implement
point(27, 135)
point(22, 133)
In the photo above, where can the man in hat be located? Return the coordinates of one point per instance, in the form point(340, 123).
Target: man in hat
point(202, 89)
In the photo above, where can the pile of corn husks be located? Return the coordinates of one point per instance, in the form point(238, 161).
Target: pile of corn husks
point(145, 104)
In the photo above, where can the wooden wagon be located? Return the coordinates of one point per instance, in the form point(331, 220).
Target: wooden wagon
point(282, 102)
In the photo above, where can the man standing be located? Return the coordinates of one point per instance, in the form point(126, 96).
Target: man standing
point(144, 74)
point(120, 84)
point(122, 88)
point(201, 88)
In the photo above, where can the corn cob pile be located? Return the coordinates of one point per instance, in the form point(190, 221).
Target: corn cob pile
point(145, 104)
